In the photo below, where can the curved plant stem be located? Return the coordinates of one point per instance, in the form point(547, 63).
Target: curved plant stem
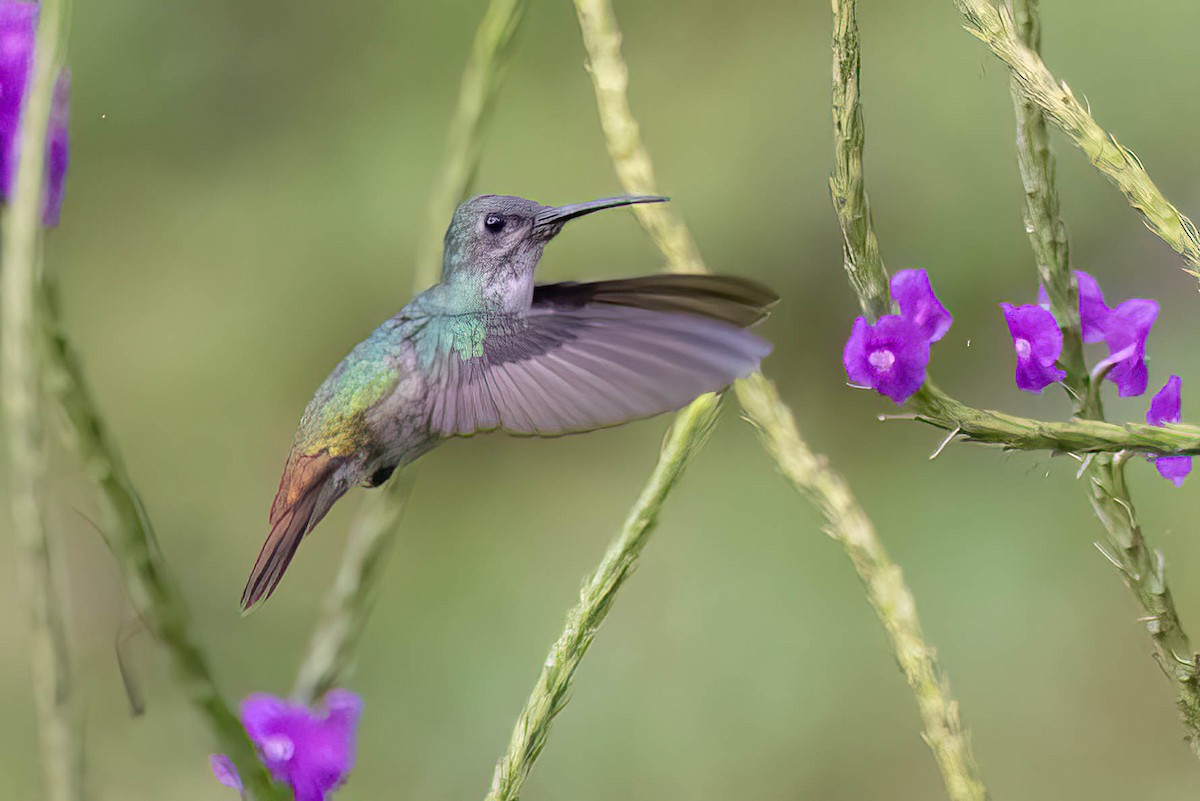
point(372, 533)
point(59, 729)
point(127, 531)
point(349, 602)
point(882, 580)
point(997, 28)
point(889, 596)
point(486, 70)
point(1078, 436)
point(860, 249)
point(688, 433)
point(1142, 568)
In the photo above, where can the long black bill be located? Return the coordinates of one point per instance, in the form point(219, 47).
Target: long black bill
point(557, 215)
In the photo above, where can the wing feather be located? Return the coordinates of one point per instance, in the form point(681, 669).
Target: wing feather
point(588, 356)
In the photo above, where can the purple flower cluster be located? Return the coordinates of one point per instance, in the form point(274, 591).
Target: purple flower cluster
point(309, 750)
point(1123, 329)
point(18, 30)
point(891, 355)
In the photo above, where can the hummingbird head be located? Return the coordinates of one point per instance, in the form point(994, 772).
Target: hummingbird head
point(497, 239)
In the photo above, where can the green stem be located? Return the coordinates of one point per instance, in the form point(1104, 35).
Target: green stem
point(864, 264)
point(997, 28)
point(484, 75)
point(1044, 224)
point(349, 601)
point(886, 591)
point(1077, 436)
point(1142, 568)
point(622, 136)
point(688, 434)
point(59, 730)
point(127, 531)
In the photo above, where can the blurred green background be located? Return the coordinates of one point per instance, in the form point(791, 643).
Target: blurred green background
point(246, 193)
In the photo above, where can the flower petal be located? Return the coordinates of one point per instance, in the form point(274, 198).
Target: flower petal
point(1174, 468)
point(223, 768)
point(18, 25)
point(914, 295)
point(1166, 405)
point(58, 145)
point(1093, 311)
point(854, 355)
point(889, 356)
point(1128, 326)
point(312, 751)
point(1038, 342)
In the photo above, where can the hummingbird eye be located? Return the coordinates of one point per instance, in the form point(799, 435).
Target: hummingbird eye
point(494, 223)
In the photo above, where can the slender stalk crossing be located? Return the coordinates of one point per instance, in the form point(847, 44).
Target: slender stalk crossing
point(998, 28)
point(1142, 567)
point(688, 433)
point(810, 474)
point(60, 732)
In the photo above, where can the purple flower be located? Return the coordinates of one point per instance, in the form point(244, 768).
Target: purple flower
point(914, 296)
point(889, 356)
point(1093, 311)
point(1166, 407)
point(1125, 333)
point(1038, 342)
point(1124, 329)
point(18, 28)
point(311, 751)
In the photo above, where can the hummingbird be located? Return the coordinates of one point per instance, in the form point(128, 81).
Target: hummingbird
point(486, 348)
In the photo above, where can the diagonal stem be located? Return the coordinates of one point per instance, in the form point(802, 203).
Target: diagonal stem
point(128, 532)
point(889, 596)
point(998, 29)
point(59, 727)
point(373, 531)
point(487, 67)
point(687, 435)
point(1142, 567)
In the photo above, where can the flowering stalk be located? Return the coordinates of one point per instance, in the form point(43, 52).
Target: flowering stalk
point(127, 531)
point(1142, 567)
point(889, 596)
point(481, 81)
point(688, 433)
point(936, 408)
point(1043, 221)
point(998, 29)
point(59, 729)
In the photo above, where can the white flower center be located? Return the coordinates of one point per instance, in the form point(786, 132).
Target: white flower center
point(1023, 347)
point(278, 747)
point(882, 360)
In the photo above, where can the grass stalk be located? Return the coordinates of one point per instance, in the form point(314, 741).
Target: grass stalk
point(485, 72)
point(60, 733)
point(1001, 32)
point(1142, 567)
point(348, 603)
point(130, 536)
point(688, 433)
point(890, 598)
point(882, 580)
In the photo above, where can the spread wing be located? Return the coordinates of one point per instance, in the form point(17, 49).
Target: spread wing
point(587, 356)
